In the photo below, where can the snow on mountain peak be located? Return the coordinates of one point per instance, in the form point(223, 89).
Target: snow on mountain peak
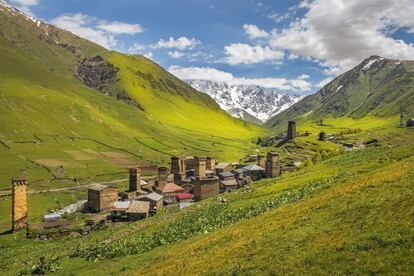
point(249, 100)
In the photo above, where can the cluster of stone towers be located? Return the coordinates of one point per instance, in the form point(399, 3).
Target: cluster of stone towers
point(199, 171)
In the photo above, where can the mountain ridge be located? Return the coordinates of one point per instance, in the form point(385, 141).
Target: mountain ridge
point(376, 87)
point(249, 102)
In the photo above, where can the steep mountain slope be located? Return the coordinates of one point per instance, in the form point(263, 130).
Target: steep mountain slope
point(249, 102)
point(376, 87)
point(58, 126)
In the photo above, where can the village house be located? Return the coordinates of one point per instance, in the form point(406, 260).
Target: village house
point(101, 197)
point(169, 191)
point(255, 172)
point(222, 167)
point(118, 211)
point(138, 210)
point(239, 172)
point(156, 201)
point(410, 123)
point(226, 176)
point(228, 185)
point(184, 197)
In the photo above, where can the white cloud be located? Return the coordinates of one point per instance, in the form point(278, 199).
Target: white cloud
point(208, 73)
point(25, 5)
point(240, 53)
point(175, 54)
point(120, 27)
point(303, 77)
point(94, 29)
point(339, 34)
point(254, 32)
point(279, 18)
point(180, 43)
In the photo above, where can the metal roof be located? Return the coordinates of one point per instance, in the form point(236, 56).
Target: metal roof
point(122, 204)
point(98, 187)
point(222, 165)
point(253, 168)
point(231, 182)
point(226, 174)
point(154, 196)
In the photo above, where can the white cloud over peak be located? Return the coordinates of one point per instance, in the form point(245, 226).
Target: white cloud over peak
point(254, 32)
point(339, 34)
point(26, 2)
point(212, 74)
point(117, 27)
point(180, 43)
point(240, 53)
point(25, 5)
point(99, 31)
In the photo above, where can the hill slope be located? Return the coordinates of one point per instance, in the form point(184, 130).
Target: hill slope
point(377, 87)
point(60, 128)
point(349, 214)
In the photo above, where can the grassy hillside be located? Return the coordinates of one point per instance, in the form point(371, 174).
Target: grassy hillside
point(57, 132)
point(377, 87)
point(348, 214)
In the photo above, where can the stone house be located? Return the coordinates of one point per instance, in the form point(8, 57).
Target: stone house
point(156, 201)
point(226, 175)
point(222, 167)
point(184, 197)
point(101, 197)
point(228, 185)
point(255, 172)
point(169, 191)
point(138, 210)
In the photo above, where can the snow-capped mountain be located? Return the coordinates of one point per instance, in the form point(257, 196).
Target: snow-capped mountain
point(249, 102)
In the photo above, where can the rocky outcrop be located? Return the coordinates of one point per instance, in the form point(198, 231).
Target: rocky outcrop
point(97, 73)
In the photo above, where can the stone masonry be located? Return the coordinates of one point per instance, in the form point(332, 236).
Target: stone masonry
point(273, 165)
point(134, 179)
point(19, 204)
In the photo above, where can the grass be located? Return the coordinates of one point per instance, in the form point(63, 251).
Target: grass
point(348, 214)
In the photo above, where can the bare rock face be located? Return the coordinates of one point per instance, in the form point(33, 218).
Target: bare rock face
point(97, 73)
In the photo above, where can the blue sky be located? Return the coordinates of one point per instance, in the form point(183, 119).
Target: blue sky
point(292, 45)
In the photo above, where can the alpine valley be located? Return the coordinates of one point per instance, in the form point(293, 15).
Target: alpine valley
point(111, 165)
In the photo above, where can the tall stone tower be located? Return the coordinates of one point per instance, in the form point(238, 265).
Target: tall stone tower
point(261, 161)
point(162, 175)
point(273, 164)
point(291, 133)
point(134, 179)
point(322, 136)
point(178, 168)
point(200, 166)
point(211, 164)
point(19, 204)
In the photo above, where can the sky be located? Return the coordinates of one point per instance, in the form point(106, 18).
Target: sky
point(295, 46)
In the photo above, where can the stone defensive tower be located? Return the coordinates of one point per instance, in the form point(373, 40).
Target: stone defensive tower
point(322, 136)
point(19, 204)
point(178, 168)
point(206, 187)
point(273, 164)
point(200, 164)
point(211, 164)
point(261, 161)
point(291, 133)
point(162, 175)
point(134, 179)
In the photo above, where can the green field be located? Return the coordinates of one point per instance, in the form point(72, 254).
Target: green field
point(347, 214)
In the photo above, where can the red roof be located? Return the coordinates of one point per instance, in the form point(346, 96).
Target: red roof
point(184, 196)
point(170, 188)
